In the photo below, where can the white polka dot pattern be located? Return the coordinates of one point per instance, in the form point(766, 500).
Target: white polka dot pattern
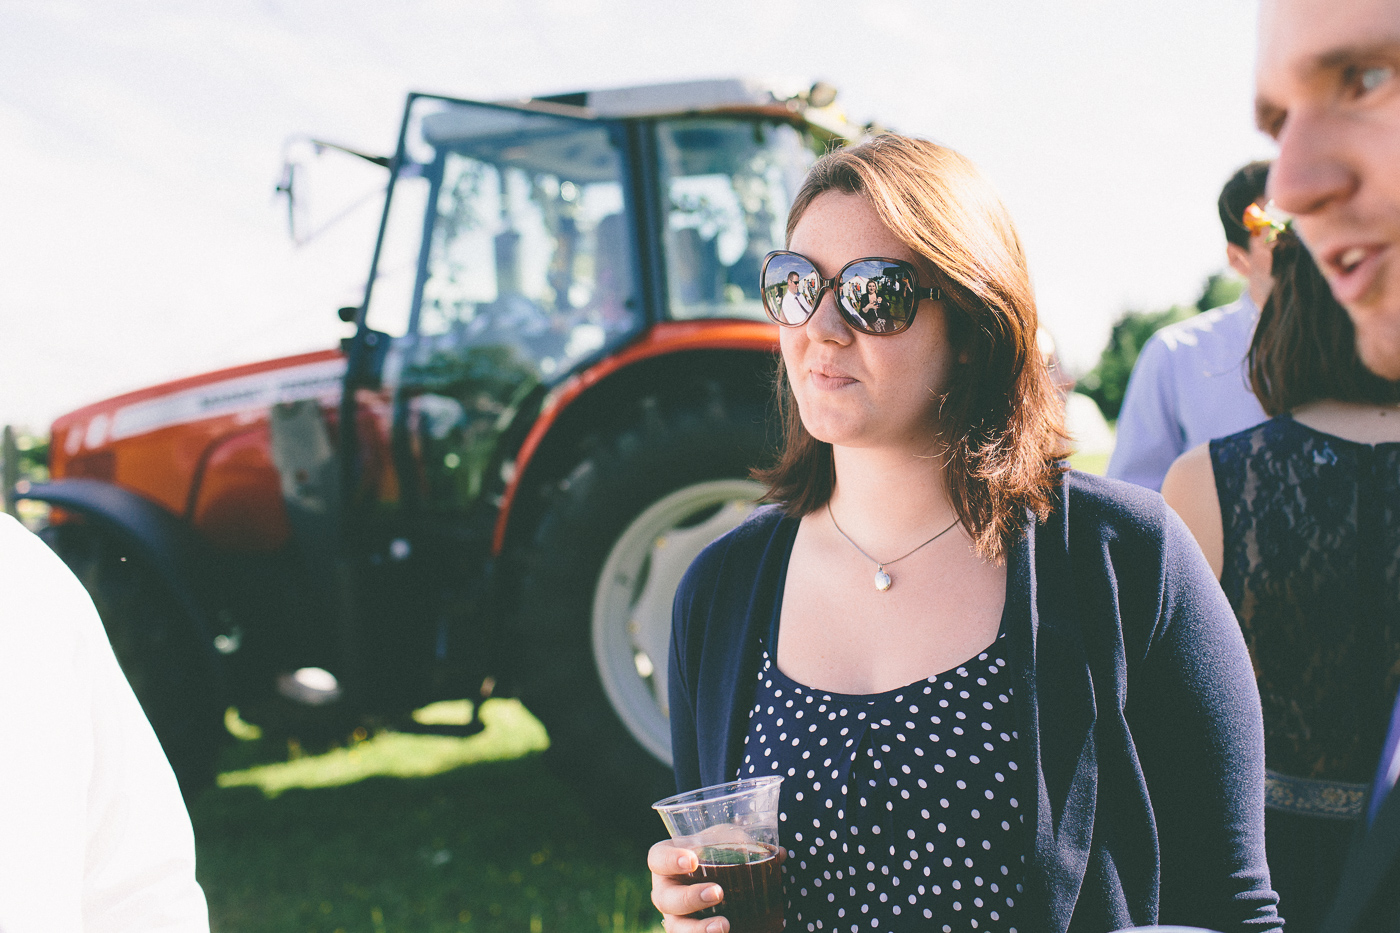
point(900, 810)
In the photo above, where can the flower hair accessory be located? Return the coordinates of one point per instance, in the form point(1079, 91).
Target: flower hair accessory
point(1267, 221)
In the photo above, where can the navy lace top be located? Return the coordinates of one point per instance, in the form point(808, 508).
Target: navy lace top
point(1312, 569)
point(899, 810)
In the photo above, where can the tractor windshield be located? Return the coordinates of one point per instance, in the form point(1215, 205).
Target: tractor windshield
point(528, 249)
point(524, 273)
point(728, 187)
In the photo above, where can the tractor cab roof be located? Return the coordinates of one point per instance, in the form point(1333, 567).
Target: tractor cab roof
point(813, 104)
point(495, 132)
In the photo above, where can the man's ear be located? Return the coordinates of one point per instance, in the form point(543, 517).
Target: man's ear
point(1238, 258)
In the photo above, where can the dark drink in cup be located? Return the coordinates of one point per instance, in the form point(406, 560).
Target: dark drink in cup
point(733, 830)
point(752, 881)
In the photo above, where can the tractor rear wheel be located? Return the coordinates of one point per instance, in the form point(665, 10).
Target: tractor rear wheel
point(164, 662)
point(617, 534)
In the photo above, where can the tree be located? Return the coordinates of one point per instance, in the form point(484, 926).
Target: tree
point(1221, 288)
point(1108, 381)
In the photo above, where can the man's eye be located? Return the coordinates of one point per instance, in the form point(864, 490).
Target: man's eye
point(1373, 77)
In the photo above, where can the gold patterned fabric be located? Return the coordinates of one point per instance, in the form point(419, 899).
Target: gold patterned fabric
point(1331, 799)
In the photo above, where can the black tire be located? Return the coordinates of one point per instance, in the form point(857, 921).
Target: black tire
point(168, 668)
point(681, 465)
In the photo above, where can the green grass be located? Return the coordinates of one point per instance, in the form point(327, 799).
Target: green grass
point(511, 732)
point(414, 833)
point(1095, 462)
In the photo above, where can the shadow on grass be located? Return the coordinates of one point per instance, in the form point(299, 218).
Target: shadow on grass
point(489, 841)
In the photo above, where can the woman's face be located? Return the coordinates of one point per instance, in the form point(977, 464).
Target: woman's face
point(852, 389)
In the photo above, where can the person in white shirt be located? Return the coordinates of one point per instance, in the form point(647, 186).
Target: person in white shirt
point(1189, 384)
point(794, 308)
point(94, 836)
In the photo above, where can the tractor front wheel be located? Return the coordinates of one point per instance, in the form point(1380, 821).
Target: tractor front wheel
point(165, 663)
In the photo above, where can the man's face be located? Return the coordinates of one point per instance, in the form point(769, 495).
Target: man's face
point(792, 282)
point(1328, 83)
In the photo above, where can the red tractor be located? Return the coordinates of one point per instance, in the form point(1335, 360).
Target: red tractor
point(558, 382)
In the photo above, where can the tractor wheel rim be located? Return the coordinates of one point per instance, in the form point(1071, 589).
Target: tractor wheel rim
point(632, 601)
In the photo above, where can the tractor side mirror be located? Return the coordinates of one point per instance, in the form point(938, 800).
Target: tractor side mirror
point(821, 95)
point(348, 314)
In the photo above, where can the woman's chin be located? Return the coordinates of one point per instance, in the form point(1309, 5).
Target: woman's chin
point(837, 433)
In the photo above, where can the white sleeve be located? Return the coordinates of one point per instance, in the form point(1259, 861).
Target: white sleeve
point(1149, 424)
point(94, 836)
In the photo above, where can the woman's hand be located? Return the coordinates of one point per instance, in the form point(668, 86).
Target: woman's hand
point(675, 897)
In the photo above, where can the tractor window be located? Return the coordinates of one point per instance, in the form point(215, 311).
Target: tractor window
point(392, 308)
point(728, 184)
point(529, 248)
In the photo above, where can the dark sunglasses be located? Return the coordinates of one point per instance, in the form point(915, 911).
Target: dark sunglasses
point(875, 296)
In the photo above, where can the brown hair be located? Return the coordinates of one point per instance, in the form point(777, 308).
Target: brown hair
point(1244, 188)
point(1304, 346)
point(1001, 421)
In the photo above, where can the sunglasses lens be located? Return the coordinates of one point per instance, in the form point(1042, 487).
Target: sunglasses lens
point(878, 296)
point(789, 285)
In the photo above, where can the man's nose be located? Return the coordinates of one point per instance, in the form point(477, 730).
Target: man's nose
point(1311, 170)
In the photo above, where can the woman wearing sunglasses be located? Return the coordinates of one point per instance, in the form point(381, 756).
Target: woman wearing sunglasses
point(1001, 696)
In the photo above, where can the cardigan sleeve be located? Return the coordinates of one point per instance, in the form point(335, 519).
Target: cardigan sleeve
point(721, 609)
point(709, 630)
point(1195, 713)
point(684, 741)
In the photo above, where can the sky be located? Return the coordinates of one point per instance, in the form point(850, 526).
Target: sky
point(140, 144)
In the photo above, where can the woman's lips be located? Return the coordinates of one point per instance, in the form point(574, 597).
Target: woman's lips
point(1352, 271)
point(831, 379)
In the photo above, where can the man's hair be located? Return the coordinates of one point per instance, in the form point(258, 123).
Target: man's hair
point(1000, 420)
point(1304, 347)
point(1244, 188)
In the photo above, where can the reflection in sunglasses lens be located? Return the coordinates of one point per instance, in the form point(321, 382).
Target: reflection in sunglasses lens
point(878, 295)
point(789, 285)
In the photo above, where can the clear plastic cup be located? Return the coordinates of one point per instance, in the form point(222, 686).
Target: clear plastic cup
point(733, 830)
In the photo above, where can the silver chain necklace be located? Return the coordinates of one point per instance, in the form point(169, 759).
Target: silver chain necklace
point(883, 580)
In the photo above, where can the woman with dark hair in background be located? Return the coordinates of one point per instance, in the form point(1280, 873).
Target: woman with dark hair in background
point(1001, 696)
point(1299, 517)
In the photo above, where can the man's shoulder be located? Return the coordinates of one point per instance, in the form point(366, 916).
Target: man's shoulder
point(1227, 327)
point(44, 610)
point(33, 575)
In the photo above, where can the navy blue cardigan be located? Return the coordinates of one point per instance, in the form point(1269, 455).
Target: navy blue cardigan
point(1134, 695)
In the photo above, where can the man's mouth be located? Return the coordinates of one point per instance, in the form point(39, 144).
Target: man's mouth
point(1351, 258)
point(1353, 270)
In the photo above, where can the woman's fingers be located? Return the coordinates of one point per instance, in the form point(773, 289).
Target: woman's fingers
point(675, 897)
point(679, 899)
point(673, 924)
point(664, 858)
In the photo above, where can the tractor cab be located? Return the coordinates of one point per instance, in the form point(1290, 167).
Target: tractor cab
point(524, 242)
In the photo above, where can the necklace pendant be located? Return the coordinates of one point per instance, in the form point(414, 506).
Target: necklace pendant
point(882, 579)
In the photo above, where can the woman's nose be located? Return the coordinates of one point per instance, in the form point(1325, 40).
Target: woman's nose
point(826, 323)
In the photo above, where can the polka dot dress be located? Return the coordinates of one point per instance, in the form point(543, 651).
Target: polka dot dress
point(899, 810)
